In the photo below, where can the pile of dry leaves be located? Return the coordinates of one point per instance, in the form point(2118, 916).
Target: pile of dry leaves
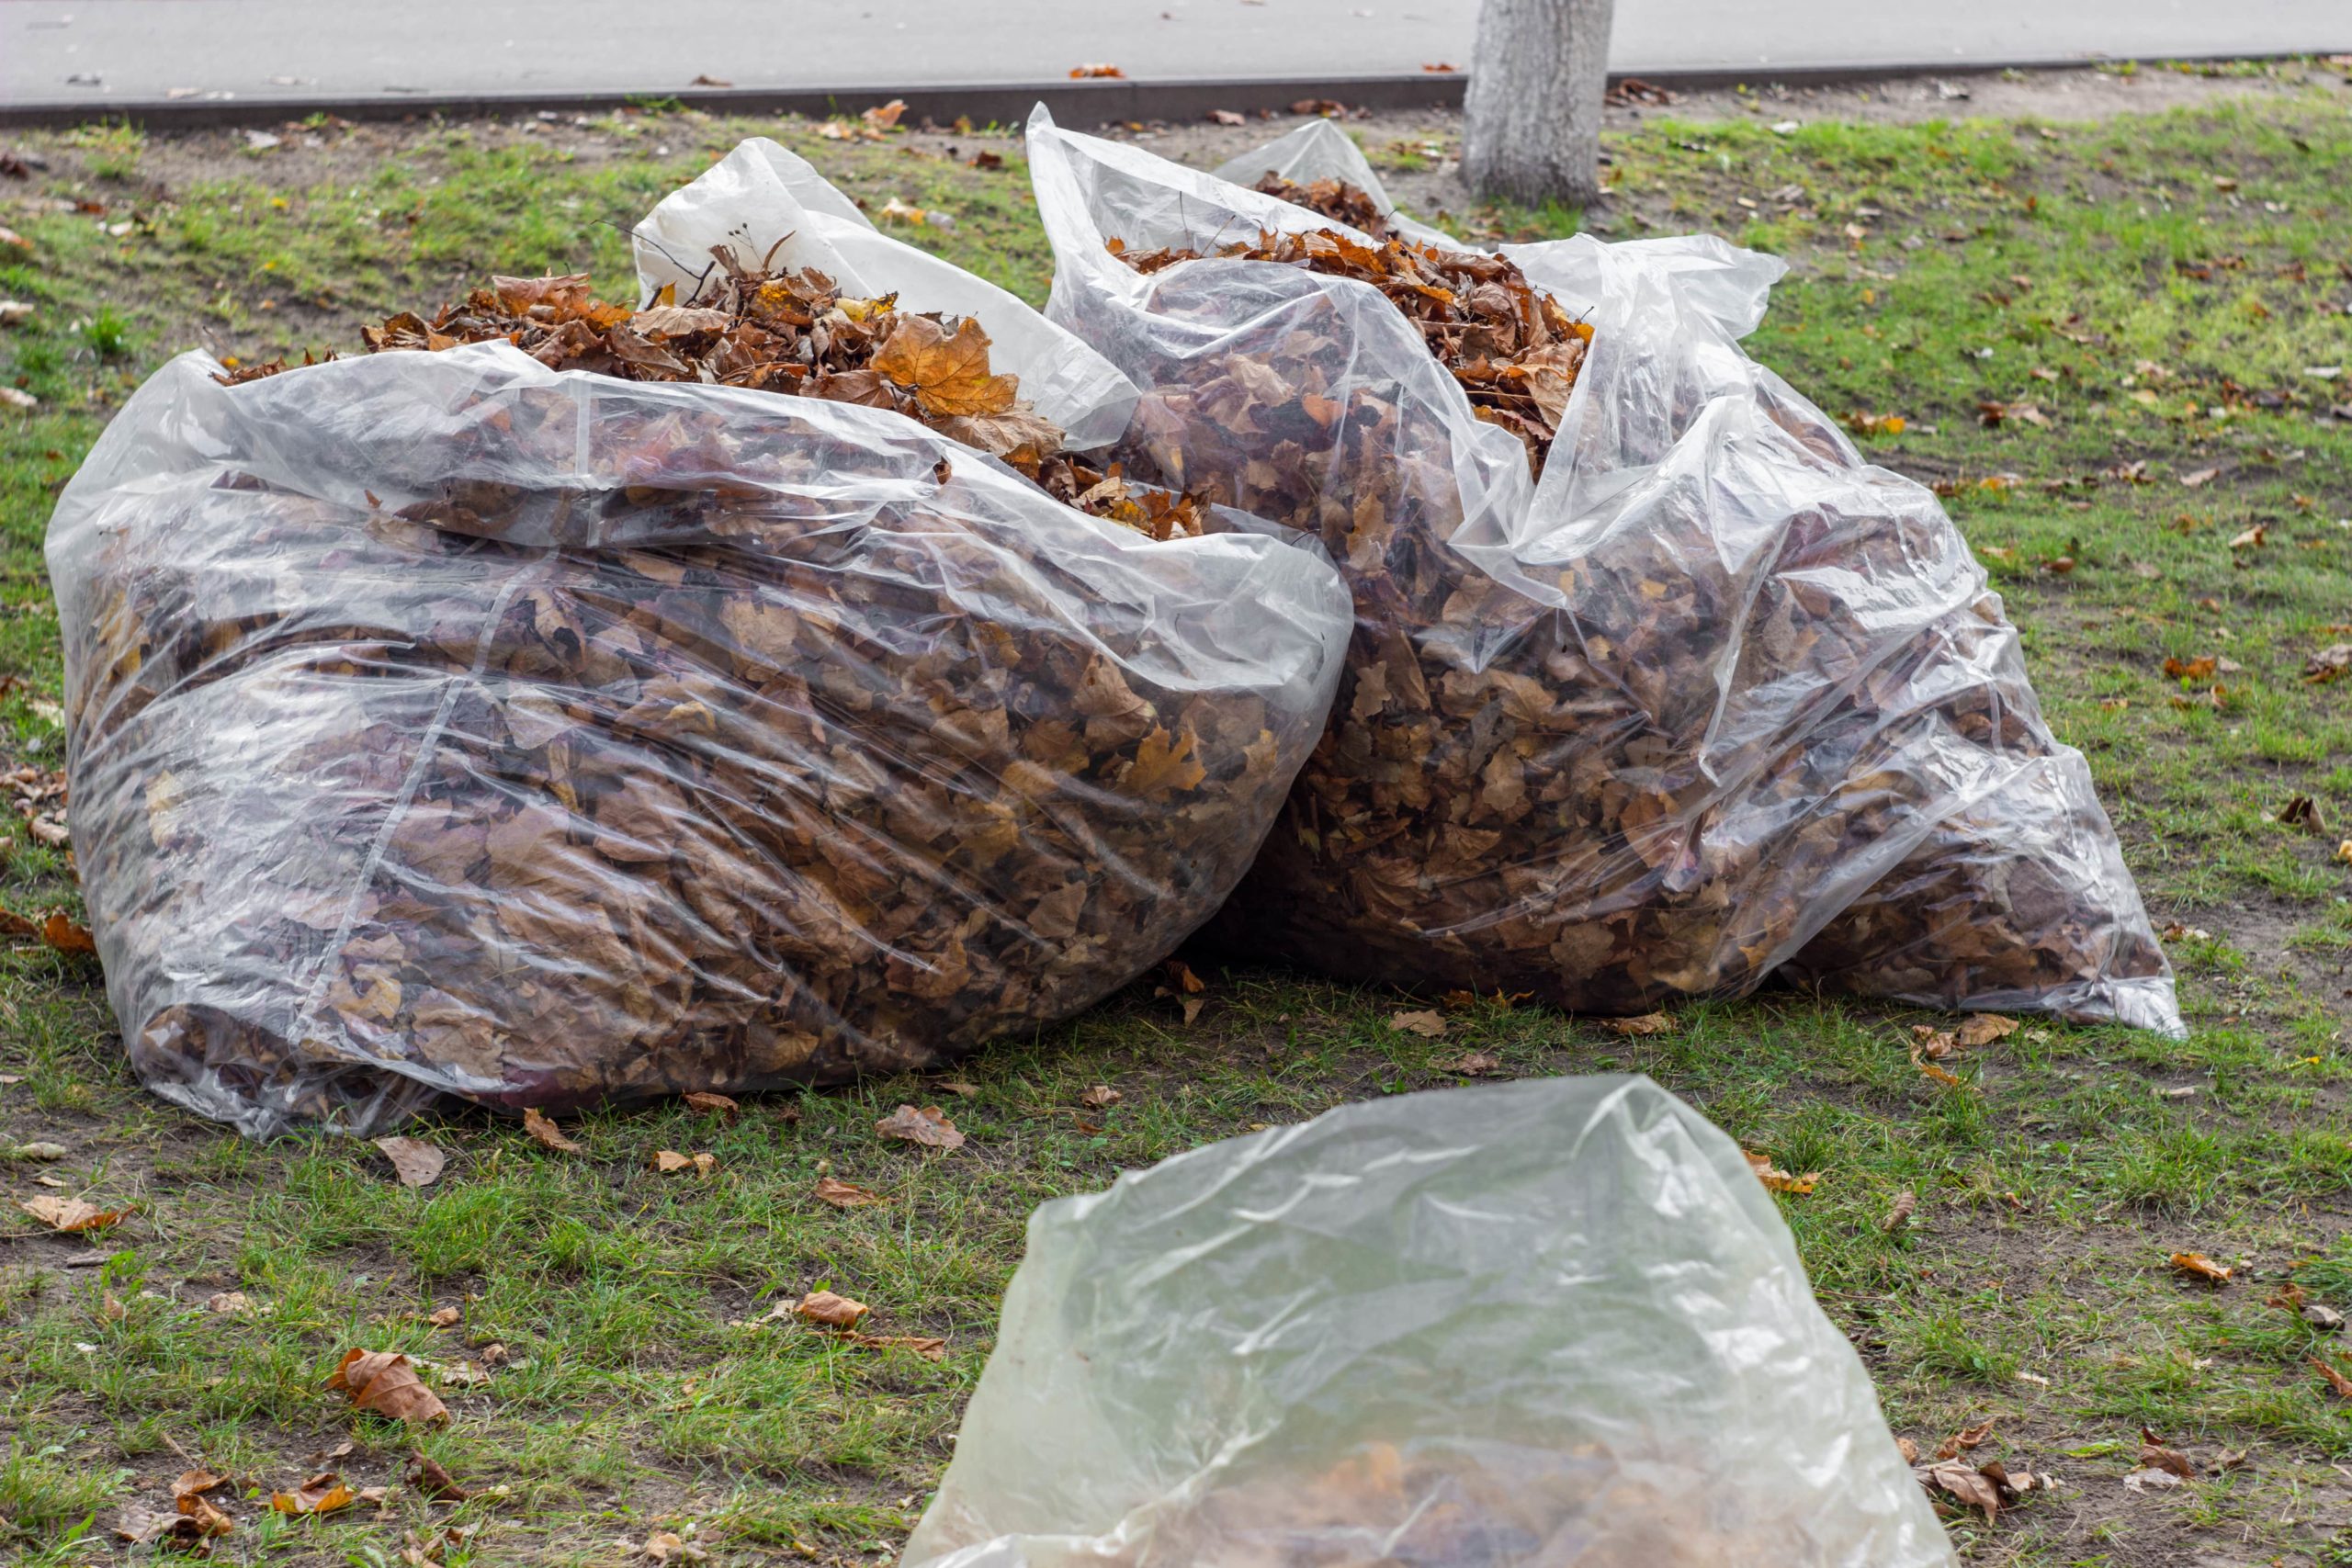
point(1514, 351)
point(794, 334)
point(447, 726)
point(1644, 764)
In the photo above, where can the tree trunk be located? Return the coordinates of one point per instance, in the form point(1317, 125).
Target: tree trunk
point(1533, 109)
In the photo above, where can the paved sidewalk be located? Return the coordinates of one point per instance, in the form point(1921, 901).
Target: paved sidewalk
point(99, 52)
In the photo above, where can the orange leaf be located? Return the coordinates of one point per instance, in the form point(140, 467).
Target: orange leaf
point(717, 1104)
point(949, 376)
point(65, 936)
point(323, 1494)
point(1163, 764)
point(1780, 1180)
point(545, 1134)
point(2201, 1267)
point(833, 1310)
point(71, 1215)
point(845, 1195)
point(386, 1382)
point(2336, 1380)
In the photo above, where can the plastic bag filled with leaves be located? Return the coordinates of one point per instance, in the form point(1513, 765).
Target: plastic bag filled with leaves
point(1550, 1322)
point(1657, 688)
point(443, 721)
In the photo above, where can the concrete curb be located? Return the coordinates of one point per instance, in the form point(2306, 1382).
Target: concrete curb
point(1081, 102)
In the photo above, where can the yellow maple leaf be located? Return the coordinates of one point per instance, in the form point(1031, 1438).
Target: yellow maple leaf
point(1164, 764)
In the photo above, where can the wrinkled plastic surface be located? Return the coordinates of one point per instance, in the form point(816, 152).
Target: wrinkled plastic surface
point(1554, 1322)
point(1715, 699)
point(442, 722)
point(773, 211)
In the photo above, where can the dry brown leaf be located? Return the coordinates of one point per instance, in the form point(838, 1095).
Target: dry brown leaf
point(2340, 1384)
point(2301, 811)
point(414, 1161)
point(831, 1310)
point(929, 1348)
point(1908, 1449)
point(1426, 1023)
point(444, 1317)
point(2196, 669)
point(1779, 1181)
point(1646, 1024)
point(930, 1127)
point(1101, 1097)
point(845, 1195)
point(1929, 1070)
point(957, 1087)
point(71, 1215)
point(2289, 1297)
point(323, 1494)
point(2156, 1455)
point(66, 935)
point(1983, 1027)
point(2197, 1266)
point(544, 1132)
point(712, 1104)
point(428, 1477)
point(1471, 1065)
point(1906, 1202)
point(947, 373)
point(232, 1303)
point(386, 1382)
point(2201, 478)
point(1966, 1486)
point(2330, 663)
point(670, 1162)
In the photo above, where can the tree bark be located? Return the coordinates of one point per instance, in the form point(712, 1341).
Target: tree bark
point(1534, 111)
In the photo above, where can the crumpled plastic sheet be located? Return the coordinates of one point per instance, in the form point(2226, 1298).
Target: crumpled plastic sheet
point(1716, 699)
point(440, 722)
point(1552, 1322)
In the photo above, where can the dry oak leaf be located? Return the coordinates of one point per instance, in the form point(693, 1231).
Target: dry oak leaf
point(930, 1127)
point(1780, 1180)
point(414, 1161)
point(845, 1195)
point(831, 1310)
point(71, 1217)
point(1100, 1097)
point(1646, 1024)
point(705, 1101)
point(427, 1476)
point(1426, 1023)
point(949, 376)
point(2197, 1266)
point(323, 1494)
point(544, 1132)
point(2336, 1382)
point(670, 1162)
point(386, 1382)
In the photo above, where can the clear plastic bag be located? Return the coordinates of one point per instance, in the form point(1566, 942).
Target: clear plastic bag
point(1553, 1322)
point(441, 722)
point(1714, 699)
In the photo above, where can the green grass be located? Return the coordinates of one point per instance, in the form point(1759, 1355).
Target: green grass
point(2032, 1289)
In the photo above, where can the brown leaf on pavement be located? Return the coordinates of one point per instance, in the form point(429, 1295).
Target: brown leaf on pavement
point(71, 1215)
point(544, 1132)
point(386, 1382)
point(930, 1127)
point(2197, 1266)
point(414, 1161)
point(845, 1195)
point(829, 1310)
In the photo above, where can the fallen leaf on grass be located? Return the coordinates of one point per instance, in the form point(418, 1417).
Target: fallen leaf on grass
point(929, 1127)
point(2303, 811)
point(845, 1195)
point(1929, 1070)
point(957, 1088)
point(2343, 852)
point(2175, 931)
point(2250, 538)
point(929, 1348)
point(1964, 1484)
point(1646, 1024)
point(1966, 1439)
point(1983, 1027)
point(2329, 664)
point(443, 1317)
point(2201, 477)
point(414, 1161)
point(2322, 1316)
point(1426, 1023)
point(427, 1476)
point(66, 935)
point(34, 1152)
point(1906, 1202)
point(713, 1104)
point(1470, 1064)
point(2196, 669)
point(831, 1310)
point(386, 1382)
point(2336, 1380)
point(2147, 1480)
point(2197, 1266)
point(883, 116)
point(323, 1494)
point(1780, 1180)
point(2154, 1455)
point(465, 1374)
point(670, 1162)
point(70, 1216)
point(229, 1304)
point(1864, 423)
point(1100, 1097)
point(545, 1134)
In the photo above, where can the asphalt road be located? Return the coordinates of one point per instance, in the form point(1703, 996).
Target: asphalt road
point(126, 50)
